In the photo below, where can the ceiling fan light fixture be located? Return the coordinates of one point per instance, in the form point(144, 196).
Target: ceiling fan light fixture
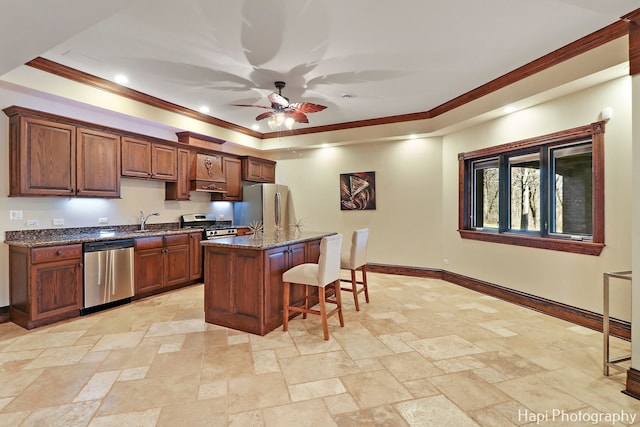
point(278, 118)
point(283, 112)
point(289, 122)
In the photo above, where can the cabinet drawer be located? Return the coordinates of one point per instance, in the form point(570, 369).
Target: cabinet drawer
point(148, 243)
point(178, 239)
point(55, 253)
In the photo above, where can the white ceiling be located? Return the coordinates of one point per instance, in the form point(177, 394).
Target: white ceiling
point(393, 56)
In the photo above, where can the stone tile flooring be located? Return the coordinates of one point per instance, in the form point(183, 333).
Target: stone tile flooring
point(422, 353)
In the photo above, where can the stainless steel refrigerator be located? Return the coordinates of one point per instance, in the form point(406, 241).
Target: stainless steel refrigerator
point(269, 203)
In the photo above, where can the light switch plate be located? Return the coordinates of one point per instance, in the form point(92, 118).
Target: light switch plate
point(58, 221)
point(15, 215)
point(103, 220)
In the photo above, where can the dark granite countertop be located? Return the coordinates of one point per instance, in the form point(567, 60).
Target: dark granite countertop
point(52, 237)
point(266, 240)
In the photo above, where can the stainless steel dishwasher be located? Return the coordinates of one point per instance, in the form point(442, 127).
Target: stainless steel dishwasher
point(108, 274)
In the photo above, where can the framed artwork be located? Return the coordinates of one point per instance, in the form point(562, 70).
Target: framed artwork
point(357, 191)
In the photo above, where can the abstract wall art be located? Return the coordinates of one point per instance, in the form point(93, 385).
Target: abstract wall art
point(357, 191)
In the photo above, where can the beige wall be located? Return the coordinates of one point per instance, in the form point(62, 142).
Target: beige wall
point(405, 227)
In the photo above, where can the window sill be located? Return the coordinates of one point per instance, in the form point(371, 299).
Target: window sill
point(576, 247)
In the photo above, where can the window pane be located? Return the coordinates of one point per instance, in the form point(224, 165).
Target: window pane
point(524, 175)
point(572, 197)
point(485, 194)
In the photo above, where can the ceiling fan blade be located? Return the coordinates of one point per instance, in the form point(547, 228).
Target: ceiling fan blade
point(307, 107)
point(277, 99)
point(264, 115)
point(250, 105)
point(297, 116)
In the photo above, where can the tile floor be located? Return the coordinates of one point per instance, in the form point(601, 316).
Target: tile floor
point(422, 353)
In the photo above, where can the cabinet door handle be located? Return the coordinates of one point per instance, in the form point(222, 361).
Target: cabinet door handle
point(59, 253)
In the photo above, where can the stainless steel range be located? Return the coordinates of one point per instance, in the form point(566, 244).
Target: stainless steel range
point(211, 227)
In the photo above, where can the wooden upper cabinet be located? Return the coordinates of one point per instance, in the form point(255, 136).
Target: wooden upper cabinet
point(258, 170)
point(232, 169)
point(136, 158)
point(164, 162)
point(42, 157)
point(179, 190)
point(98, 164)
point(49, 157)
point(145, 159)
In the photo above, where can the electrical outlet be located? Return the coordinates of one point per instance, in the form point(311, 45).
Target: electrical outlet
point(58, 221)
point(445, 261)
point(33, 223)
point(15, 215)
point(103, 220)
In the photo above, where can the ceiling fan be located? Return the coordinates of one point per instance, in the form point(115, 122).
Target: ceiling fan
point(284, 112)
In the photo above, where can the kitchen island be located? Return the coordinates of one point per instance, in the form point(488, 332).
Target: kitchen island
point(243, 277)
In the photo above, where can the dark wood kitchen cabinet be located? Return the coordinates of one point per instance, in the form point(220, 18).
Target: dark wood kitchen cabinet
point(149, 264)
point(151, 160)
point(98, 164)
point(179, 190)
point(176, 260)
point(258, 170)
point(45, 284)
point(161, 261)
point(277, 261)
point(195, 256)
point(232, 169)
point(243, 287)
point(51, 157)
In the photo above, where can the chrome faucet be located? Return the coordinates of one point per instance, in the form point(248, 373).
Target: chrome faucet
point(143, 219)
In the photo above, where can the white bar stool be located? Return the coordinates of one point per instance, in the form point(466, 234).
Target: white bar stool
point(325, 272)
point(355, 260)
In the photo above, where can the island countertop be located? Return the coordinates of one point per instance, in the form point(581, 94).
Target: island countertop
point(243, 287)
point(267, 240)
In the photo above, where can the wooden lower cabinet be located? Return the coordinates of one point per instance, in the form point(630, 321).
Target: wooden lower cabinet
point(161, 261)
point(176, 262)
point(148, 264)
point(195, 256)
point(45, 284)
point(277, 261)
point(243, 287)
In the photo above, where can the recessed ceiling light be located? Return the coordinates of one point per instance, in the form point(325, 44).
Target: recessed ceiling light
point(204, 109)
point(255, 126)
point(413, 136)
point(347, 96)
point(121, 79)
point(509, 109)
